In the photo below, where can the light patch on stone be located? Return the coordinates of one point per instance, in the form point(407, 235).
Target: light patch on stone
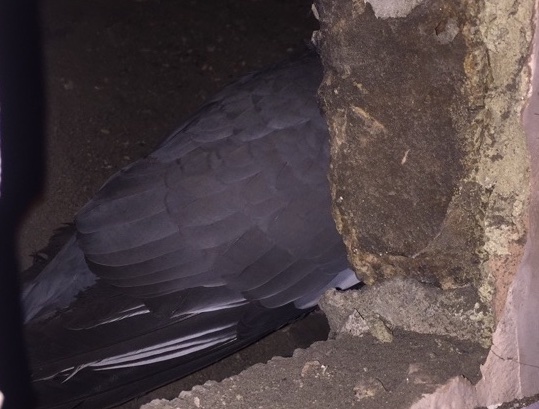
point(448, 33)
point(355, 325)
point(314, 369)
point(393, 8)
point(380, 331)
point(368, 388)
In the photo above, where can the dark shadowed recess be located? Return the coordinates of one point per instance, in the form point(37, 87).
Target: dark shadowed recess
point(22, 169)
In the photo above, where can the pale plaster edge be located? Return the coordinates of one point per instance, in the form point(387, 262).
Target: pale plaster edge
point(512, 367)
point(503, 170)
point(457, 393)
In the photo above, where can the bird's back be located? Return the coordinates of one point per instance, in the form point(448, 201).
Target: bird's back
point(220, 236)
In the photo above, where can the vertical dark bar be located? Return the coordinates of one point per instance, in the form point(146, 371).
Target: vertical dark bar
point(21, 147)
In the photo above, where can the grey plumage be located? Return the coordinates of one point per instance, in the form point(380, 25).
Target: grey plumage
point(221, 235)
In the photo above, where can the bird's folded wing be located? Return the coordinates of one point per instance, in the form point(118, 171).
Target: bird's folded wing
point(220, 236)
point(223, 202)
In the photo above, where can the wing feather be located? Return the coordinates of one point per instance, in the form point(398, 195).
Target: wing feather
point(221, 235)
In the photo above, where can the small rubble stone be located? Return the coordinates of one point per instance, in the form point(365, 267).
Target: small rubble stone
point(407, 304)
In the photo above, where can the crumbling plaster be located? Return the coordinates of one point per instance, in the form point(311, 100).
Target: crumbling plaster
point(503, 167)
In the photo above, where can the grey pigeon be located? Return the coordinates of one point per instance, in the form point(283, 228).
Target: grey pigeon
point(220, 236)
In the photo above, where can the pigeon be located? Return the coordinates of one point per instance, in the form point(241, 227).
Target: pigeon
point(219, 237)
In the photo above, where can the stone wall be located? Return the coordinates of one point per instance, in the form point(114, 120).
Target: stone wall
point(430, 163)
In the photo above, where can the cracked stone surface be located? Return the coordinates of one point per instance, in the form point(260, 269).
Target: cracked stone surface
point(406, 304)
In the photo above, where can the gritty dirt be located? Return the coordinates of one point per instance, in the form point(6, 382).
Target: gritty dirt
point(348, 372)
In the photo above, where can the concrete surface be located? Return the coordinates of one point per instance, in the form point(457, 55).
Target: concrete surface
point(343, 373)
